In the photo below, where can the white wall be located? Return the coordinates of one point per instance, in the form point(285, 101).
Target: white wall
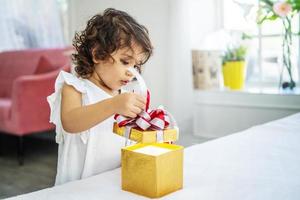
point(179, 68)
point(204, 18)
point(219, 113)
point(191, 21)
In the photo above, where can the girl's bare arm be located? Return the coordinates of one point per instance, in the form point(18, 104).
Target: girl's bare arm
point(77, 118)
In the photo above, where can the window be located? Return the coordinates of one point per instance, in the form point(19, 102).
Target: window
point(264, 59)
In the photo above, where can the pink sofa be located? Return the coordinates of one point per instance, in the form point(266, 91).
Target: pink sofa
point(26, 78)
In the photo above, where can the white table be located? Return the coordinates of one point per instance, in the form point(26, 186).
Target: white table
point(261, 163)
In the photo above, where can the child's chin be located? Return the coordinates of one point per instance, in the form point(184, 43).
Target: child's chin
point(116, 88)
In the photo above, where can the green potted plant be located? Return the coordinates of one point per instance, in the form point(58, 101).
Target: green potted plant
point(234, 67)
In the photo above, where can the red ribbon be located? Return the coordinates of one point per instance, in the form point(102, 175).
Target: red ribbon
point(156, 119)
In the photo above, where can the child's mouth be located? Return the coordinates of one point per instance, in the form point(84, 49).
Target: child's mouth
point(124, 82)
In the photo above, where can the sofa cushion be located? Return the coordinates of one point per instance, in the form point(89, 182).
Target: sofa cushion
point(14, 64)
point(58, 57)
point(5, 108)
point(43, 66)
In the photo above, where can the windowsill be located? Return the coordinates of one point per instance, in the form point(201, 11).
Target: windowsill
point(270, 88)
point(259, 90)
point(267, 97)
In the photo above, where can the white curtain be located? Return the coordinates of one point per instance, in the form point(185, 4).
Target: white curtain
point(30, 24)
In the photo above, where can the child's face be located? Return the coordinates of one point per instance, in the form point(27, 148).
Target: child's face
point(115, 74)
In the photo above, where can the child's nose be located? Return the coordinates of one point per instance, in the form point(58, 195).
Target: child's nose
point(128, 73)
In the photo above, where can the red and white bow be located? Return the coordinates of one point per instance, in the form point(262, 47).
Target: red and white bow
point(156, 119)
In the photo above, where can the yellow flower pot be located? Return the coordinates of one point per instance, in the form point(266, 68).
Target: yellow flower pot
point(234, 74)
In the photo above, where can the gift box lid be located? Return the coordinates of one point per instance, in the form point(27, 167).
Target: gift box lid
point(147, 136)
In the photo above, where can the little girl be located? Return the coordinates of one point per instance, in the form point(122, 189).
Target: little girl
point(83, 106)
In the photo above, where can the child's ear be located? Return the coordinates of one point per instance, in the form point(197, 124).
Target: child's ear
point(95, 60)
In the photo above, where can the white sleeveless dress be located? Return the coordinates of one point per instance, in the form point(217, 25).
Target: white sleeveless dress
point(86, 153)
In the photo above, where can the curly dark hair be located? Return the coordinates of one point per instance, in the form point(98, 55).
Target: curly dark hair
point(104, 34)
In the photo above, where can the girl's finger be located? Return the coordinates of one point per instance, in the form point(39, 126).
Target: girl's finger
point(136, 110)
point(141, 98)
point(140, 105)
point(131, 115)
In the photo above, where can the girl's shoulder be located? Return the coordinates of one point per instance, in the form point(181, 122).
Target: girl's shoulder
point(69, 79)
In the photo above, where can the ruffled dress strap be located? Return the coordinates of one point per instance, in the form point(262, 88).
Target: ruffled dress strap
point(54, 101)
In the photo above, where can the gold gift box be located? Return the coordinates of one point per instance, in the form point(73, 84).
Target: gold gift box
point(152, 175)
point(148, 136)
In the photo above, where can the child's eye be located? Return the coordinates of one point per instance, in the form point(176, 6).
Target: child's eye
point(124, 62)
point(138, 67)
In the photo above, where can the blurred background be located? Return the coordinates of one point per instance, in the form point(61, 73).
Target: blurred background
point(190, 73)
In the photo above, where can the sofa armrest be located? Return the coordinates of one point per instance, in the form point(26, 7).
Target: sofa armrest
point(30, 109)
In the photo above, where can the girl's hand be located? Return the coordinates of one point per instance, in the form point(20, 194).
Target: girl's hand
point(129, 104)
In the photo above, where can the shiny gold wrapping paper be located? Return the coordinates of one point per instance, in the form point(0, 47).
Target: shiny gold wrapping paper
point(152, 176)
point(169, 135)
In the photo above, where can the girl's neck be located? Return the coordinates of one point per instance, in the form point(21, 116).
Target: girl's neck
point(96, 79)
